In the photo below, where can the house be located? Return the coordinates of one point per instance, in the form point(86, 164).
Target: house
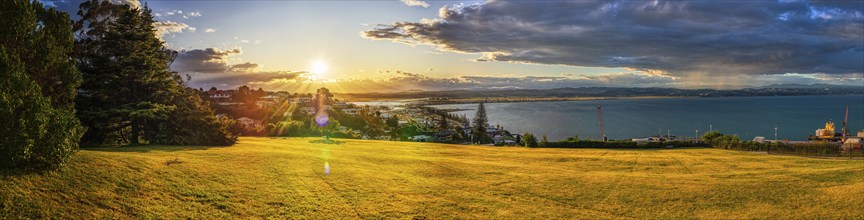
point(308, 110)
point(386, 115)
point(422, 138)
point(248, 122)
point(222, 96)
point(269, 98)
point(305, 99)
point(350, 111)
point(341, 105)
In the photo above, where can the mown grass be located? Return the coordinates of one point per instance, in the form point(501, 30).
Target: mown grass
point(283, 178)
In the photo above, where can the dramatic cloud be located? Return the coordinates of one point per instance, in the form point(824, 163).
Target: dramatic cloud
point(416, 3)
point(210, 60)
point(675, 38)
point(243, 67)
point(232, 80)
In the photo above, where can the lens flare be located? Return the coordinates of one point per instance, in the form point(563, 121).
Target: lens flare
point(321, 118)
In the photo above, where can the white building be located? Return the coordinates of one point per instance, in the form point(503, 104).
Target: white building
point(350, 111)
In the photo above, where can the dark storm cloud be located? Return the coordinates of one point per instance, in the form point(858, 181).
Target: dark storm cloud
point(232, 80)
point(210, 60)
point(676, 37)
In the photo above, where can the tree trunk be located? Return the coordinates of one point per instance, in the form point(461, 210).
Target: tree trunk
point(136, 130)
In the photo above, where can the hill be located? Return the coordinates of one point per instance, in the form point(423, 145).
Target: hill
point(283, 178)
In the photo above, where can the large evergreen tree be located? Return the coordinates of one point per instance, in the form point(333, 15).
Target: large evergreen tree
point(478, 132)
point(129, 94)
point(38, 83)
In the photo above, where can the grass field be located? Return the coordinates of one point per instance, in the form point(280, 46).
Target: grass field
point(279, 178)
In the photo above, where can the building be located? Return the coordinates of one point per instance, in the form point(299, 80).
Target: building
point(220, 96)
point(422, 138)
point(386, 115)
point(248, 122)
point(308, 110)
point(350, 111)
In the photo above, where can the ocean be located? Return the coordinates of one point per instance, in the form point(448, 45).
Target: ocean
point(795, 117)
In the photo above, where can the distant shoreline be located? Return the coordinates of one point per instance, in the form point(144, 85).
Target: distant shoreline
point(454, 101)
point(474, 100)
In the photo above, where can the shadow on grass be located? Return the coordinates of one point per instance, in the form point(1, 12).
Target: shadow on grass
point(147, 148)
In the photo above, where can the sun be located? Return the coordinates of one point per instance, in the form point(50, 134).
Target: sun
point(318, 67)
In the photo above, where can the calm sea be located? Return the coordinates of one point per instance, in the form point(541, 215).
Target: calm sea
point(794, 116)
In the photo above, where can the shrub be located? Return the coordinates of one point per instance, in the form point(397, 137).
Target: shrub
point(33, 133)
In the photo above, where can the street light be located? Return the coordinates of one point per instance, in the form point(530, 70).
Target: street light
point(775, 132)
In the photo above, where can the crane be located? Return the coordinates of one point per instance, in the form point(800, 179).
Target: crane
point(600, 123)
point(845, 120)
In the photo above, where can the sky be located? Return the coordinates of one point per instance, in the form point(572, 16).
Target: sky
point(391, 46)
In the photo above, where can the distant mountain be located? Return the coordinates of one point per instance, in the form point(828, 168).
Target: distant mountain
point(815, 85)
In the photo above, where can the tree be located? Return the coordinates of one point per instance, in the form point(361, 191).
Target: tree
point(478, 132)
point(129, 94)
point(544, 142)
point(575, 138)
point(39, 129)
point(529, 140)
point(443, 124)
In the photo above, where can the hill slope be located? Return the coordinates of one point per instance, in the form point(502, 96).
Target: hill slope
point(263, 177)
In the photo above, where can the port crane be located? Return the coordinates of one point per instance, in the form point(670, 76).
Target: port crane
point(845, 120)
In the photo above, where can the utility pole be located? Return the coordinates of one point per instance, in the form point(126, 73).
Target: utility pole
point(668, 135)
point(775, 132)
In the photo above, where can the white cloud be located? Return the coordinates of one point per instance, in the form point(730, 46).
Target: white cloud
point(166, 27)
point(192, 14)
point(415, 3)
point(209, 30)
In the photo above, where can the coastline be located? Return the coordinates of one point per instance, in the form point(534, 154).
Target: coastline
point(452, 101)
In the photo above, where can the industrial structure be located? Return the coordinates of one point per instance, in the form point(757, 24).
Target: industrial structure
point(600, 124)
point(828, 132)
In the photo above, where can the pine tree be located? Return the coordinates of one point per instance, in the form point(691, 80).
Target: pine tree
point(129, 94)
point(480, 123)
point(39, 129)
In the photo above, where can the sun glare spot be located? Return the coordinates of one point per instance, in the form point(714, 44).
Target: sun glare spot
point(318, 67)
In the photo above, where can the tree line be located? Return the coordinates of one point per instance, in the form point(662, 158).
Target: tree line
point(104, 79)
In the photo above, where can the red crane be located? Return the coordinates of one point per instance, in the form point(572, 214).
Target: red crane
point(600, 123)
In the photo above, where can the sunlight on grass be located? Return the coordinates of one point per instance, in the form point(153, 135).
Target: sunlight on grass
point(283, 178)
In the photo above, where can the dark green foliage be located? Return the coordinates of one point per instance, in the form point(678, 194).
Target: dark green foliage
point(480, 122)
point(529, 140)
point(544, 141)
point(37, 85)
point(129, 94)
point(731, 142)
point(621, 144)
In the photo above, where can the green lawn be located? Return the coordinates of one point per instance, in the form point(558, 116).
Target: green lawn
point(284, 178)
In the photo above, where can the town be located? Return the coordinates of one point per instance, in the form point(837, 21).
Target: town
point(263, 113)
point(253, 112)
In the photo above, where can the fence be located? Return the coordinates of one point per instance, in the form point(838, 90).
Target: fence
point(817, 149)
